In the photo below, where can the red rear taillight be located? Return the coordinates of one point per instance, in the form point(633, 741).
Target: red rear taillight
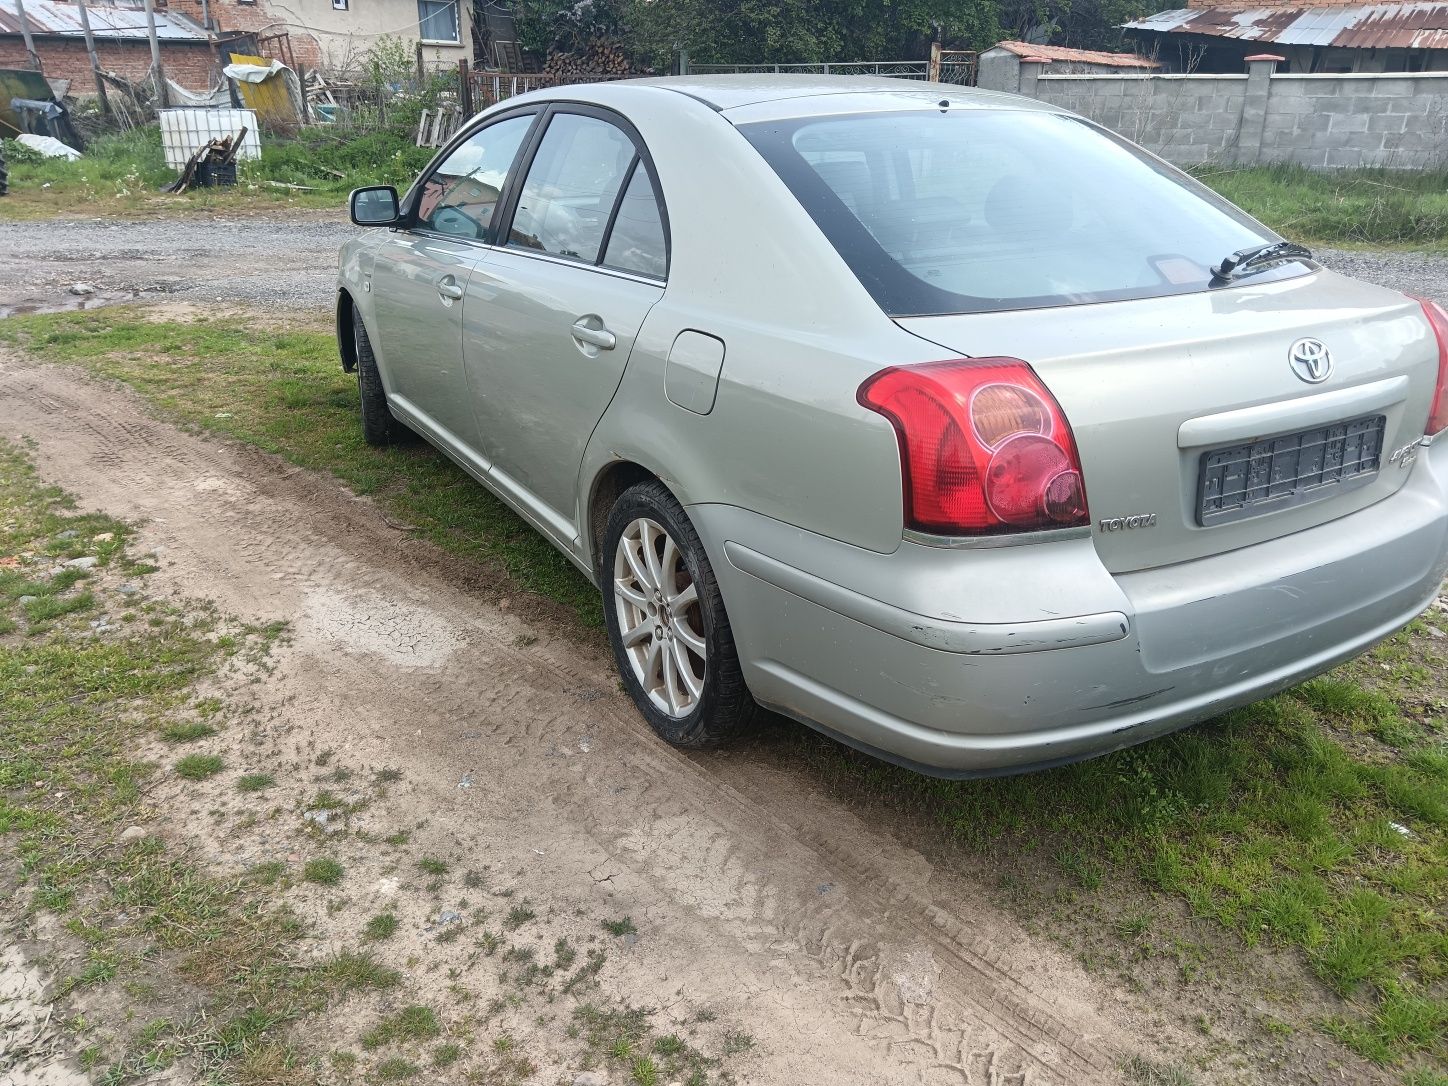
point(984, 448)
point(1438, 320)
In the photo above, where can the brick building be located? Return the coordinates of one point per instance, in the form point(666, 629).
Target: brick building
point(194, 35)
point(1313, 36)
point(121, 44)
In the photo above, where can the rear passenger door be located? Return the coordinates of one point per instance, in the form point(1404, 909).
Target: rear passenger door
point(552, 312)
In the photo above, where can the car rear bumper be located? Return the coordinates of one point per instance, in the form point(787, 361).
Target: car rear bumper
point(975, 662)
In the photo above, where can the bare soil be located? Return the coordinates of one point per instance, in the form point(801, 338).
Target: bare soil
point(831, 941)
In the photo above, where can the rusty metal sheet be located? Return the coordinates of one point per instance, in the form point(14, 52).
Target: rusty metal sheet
point(1077, 56)
point(1422, 24)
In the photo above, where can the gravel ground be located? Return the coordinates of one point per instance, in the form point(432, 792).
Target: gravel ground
point(273, 263)
point(1412, 273)
point(289, 261)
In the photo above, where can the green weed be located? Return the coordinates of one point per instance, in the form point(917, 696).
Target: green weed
point(323, 871)
point(412, 1023)
point(197, 767)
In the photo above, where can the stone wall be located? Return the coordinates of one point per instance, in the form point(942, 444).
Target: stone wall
point(1318, 121)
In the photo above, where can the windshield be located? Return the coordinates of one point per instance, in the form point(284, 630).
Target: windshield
point(969, 211)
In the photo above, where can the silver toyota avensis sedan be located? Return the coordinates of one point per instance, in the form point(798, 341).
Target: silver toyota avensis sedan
point(943, 421)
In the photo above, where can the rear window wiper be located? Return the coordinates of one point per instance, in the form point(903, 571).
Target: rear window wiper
point(1259, 258)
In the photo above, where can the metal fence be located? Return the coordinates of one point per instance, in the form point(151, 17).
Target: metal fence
point(946, 66)
point(490, 87)
point(896, 69)
point(486, 88)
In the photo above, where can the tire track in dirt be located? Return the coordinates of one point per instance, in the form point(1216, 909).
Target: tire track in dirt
point(899, 987)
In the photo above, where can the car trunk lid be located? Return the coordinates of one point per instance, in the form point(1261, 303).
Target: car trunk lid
point(1183, 407)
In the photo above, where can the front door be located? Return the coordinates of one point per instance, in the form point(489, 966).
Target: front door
point(551, 316)
point(421, 275)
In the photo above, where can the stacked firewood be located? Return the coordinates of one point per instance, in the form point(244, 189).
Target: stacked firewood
point(600, 57)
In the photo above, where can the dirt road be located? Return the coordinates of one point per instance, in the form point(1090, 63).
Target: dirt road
point(835, 945)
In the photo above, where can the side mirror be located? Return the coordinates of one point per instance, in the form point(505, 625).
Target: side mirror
point(374, 206)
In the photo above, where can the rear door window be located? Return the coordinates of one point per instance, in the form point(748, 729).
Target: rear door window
point(978, 210)
point(568, 197)
point(637, 242)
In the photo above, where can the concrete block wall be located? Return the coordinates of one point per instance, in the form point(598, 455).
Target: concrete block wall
point(1318, 121)
point(1186, 119)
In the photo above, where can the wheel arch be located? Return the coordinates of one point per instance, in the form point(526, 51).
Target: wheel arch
point(346, 344)
point(610, 481)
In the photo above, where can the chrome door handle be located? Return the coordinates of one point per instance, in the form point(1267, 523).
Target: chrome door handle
point(601, 338)
point(448, 288)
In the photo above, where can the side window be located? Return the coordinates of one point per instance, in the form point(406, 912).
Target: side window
point(568, 196)
point(637, 241)
point(460, 196)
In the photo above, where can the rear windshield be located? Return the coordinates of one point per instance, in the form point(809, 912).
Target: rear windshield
point(968, 211)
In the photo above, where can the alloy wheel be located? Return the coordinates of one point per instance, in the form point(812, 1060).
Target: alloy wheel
point(660, 622)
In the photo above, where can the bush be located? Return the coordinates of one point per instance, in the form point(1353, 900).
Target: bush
point(17, 154)
point(321, 159)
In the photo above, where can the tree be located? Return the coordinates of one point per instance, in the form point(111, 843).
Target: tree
point(815, 31)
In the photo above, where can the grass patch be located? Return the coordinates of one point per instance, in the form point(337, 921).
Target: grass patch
point(285, 392)
point(413, 1023)
point(255, 782)
point(620, 927)
point(121, 174)
point(623, 1039)
point(395, 1069)
point(1374, 207)
point(74, 710)
point(197, 767)
point(381, 926)
point(324, 872)
point(186, 731)
point(518, 915)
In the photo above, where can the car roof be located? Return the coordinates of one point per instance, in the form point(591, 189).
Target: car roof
point(808, 94)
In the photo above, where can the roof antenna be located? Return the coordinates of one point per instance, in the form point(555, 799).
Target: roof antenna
point(944, 105)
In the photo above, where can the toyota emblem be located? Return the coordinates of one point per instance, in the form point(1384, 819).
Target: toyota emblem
point(1310, 360)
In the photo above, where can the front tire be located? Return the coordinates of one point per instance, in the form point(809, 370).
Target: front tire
point(666, 622)
point(378, 426)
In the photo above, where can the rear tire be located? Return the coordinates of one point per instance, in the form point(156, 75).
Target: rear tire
point(378, 426)
point(663, 605)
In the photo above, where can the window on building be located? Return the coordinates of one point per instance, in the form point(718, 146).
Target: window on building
point(339, 5)
point(437, 20)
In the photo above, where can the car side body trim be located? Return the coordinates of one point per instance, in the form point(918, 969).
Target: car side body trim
point(544, 519)
point(1301, 413)
point(968, 638)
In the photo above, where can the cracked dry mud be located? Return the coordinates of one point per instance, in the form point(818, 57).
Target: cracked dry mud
point(834, 944)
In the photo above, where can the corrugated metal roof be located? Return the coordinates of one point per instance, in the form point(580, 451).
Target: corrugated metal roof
point(1365, 26)
point(1078, 56)
point(107, 21)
